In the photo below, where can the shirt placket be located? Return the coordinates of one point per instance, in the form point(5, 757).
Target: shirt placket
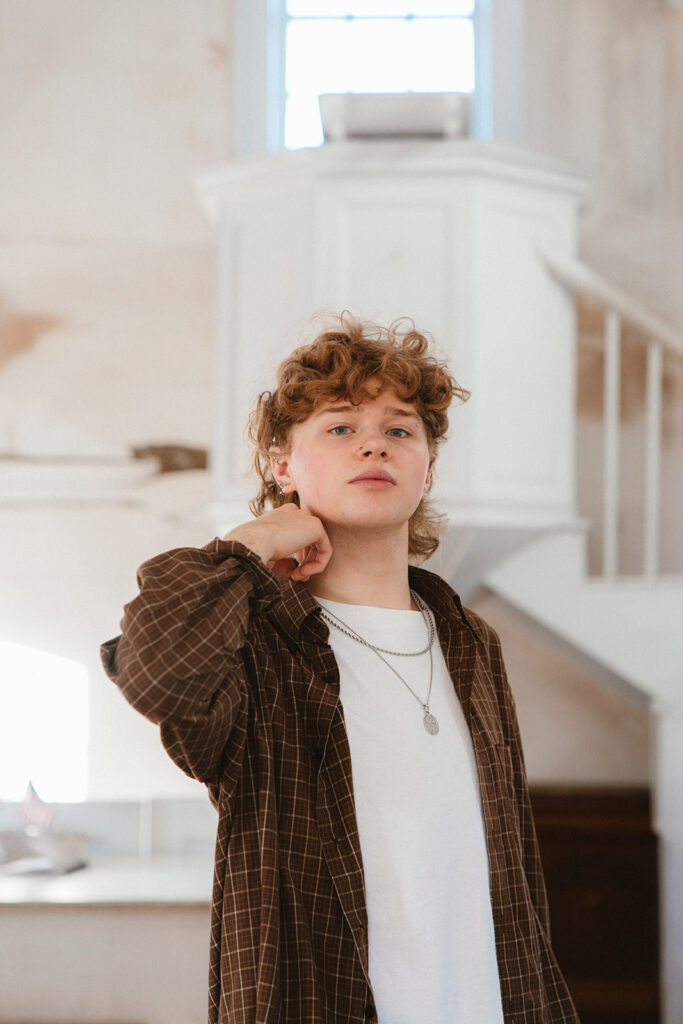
point(335, 805)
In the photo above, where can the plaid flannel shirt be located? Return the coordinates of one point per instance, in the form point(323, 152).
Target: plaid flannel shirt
point(236, 669)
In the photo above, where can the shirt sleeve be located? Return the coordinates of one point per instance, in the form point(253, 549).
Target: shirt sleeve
point(177, 660)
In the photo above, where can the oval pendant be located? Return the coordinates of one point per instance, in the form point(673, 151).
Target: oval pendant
point(431, 724)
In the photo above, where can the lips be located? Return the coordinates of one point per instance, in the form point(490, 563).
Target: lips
point(370, 475)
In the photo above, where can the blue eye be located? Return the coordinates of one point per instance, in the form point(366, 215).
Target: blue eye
point(336, 431)
point(397, 432)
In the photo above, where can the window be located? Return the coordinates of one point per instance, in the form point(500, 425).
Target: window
point(462, 37)
point(371, 46)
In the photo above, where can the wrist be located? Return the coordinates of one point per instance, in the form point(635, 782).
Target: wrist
point(251, 539)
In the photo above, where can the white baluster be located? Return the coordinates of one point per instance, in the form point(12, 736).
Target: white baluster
point(610, 501)
point(653, 458)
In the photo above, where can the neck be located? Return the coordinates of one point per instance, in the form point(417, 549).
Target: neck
point(364, 569)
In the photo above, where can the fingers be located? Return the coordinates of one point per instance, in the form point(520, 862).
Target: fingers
point(287, 569)
point(283, 568)
point(313, 559)
point(305, 562)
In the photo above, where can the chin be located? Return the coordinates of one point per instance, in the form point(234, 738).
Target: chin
point(367, 521)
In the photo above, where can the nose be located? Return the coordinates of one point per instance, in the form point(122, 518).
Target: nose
point(374, 444)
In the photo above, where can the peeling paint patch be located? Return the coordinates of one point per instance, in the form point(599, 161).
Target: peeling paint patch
point(20, 333)
point(219, 53)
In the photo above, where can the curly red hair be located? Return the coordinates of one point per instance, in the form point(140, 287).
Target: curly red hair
point(338, 364)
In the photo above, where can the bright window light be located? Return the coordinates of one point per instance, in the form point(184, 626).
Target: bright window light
point(378, 46)
point(372, 8)
point(43, 726)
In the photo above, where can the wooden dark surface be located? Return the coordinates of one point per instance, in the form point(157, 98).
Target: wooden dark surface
point(600, 860)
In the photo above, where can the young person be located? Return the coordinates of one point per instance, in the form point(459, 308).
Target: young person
point(376, 857)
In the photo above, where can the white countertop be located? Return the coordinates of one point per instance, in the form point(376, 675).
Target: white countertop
point(184, 881)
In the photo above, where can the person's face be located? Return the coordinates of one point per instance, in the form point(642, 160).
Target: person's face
point(363, 466)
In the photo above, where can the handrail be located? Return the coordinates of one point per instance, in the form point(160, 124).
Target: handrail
point(659, 337)
point(581, 279)
point(610, 456)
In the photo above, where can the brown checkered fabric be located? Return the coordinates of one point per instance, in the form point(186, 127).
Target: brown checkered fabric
point(235, 668)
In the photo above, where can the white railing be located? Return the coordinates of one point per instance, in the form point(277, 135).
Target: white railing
point(621, 310)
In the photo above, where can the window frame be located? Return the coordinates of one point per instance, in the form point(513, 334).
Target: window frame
point(259, 80)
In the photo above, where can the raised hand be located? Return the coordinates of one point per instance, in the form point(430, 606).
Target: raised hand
point(284, 534)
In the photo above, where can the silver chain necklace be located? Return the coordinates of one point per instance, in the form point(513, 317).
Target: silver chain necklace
point(343, 627)
point(429, 720)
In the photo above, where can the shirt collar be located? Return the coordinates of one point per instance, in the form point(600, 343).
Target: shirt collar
point(298, 608)
point(439, 596)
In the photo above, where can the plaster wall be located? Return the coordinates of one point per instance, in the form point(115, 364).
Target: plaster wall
point(107, 269)
point(575, 731)
point(106, 262)
point(604, 85)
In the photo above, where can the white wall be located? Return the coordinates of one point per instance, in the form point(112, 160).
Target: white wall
point(604, 84)
point(576, 730)
point(107, 110)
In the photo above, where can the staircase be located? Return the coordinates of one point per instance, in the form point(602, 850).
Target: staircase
point(618, 620)
point(629, 627)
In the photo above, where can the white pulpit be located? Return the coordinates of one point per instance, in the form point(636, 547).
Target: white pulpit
point(451, 234)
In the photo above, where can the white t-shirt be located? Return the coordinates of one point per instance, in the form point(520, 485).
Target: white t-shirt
point(430, 926)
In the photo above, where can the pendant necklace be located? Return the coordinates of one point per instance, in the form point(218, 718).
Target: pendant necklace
point(429, 720)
